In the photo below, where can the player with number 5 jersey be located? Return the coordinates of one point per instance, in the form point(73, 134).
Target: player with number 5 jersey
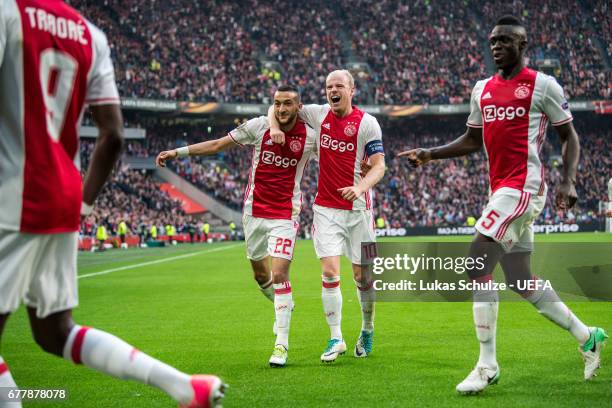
point(53, 63)
point(272, 201)
point(510, 112)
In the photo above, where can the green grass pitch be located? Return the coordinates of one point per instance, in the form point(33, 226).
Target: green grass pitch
point(203, 313)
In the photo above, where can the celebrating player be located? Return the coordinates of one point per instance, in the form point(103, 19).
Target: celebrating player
point(272, 201)
point(343, 206)
point(52, 62)
point(509, 113)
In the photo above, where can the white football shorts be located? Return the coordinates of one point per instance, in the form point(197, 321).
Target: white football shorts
point(38, 270)
point(508, 218)
point(264, 237)
point(338, 232)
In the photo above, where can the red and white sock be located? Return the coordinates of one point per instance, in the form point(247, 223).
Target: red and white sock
point(6, 381)
point(267, 290)
point(367, 296)
point(548, 304)
point(109, 354)
point(283, 302)
point(485, 309)
point(332, 305)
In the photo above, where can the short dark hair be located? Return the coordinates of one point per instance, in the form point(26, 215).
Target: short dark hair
point(290, 88)
point(509, 20)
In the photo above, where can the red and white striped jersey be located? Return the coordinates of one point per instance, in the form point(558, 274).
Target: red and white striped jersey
point(514, 115)
point(273, 190)
point(341, 144)
point(52, 62)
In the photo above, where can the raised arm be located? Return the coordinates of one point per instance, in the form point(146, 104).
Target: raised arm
point(570, 147)
point(469, 142)
point(198, 149)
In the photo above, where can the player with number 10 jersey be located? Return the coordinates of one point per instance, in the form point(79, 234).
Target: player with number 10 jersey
point(343, 219)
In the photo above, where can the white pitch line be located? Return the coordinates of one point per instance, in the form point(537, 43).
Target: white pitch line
point(157, 261)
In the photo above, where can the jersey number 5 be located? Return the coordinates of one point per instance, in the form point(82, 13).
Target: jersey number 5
point(491, 218)
point(57, 75)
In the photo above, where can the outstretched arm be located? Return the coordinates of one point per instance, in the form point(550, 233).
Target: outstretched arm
point(570, 147)
point(198, 149)
point(469, 142)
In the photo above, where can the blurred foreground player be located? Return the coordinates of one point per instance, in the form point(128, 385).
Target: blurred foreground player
point(52, 63)
point(272, 201)
point(510, 112)
point(343, 218)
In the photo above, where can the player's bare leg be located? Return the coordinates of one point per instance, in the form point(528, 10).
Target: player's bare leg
point(6, 379)
point(366, 296)
point(485, 308)
point(283, 305)
point(332, 307)
point(58, 334)
point(517, 267)
point(263, 277)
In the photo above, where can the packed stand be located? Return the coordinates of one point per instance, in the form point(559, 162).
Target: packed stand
point(179, 49)
point(602, 23)
point(302, 40)
point(132, 196)
point(418, 52)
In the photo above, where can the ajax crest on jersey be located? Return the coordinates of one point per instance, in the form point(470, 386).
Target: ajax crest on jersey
point(295, 146)
point(521, 92)
point(350, 130)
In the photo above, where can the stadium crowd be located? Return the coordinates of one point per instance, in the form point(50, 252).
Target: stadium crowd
point(132, 196)
point(417, 53)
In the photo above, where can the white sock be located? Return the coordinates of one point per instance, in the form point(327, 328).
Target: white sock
point(6, 381)
point(268, 290)
point(283, 302)
point(485, 308)
point(548, 304)
point(366, 295)
point(332, 305)
point(111, 355)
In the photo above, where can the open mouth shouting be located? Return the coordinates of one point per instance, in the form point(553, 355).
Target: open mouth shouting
point(335, 99)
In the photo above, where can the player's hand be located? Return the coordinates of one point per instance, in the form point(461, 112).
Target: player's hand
point(165, 155)
point(416, 157)
point(278, 136)
point(350, 193)
point(364, 166)
point(566, 196)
